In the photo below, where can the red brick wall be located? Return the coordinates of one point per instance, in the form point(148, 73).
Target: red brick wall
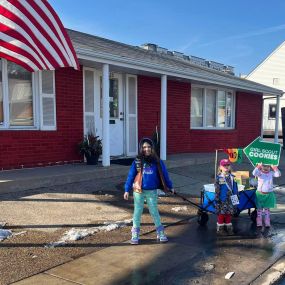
point(36, 148)
point(180, 138)
point(23, 148)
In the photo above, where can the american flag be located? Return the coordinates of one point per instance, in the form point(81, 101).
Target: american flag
point(32, 35)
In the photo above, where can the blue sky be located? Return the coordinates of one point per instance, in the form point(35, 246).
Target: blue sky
point(241, 33)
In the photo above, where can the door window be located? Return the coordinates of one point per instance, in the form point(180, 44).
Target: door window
point(113, 97)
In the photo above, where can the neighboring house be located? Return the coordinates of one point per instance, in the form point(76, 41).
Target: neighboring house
point(122, 93)
point(271, 72)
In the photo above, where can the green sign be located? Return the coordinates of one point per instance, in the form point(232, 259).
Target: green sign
point(263, 152)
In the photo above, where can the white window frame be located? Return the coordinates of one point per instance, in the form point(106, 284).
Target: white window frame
point(6, 124)
point(51, 96)
point(233, 109)
point(85, 113)
point(36, 97)
point(129, 115)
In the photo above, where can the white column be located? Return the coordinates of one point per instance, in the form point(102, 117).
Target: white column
point(277, 119)
point(106, 116)
point(163, 117)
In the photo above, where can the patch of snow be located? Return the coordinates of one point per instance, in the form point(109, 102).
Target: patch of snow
point(229, 275)
point(19, 233)
point(208, 266)
point(179, 209)
point(5, 234)
point(77, 234)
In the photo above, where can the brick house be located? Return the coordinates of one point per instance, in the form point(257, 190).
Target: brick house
point(122, 93)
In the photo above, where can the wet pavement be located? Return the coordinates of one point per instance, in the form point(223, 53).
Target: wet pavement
point(193, 255)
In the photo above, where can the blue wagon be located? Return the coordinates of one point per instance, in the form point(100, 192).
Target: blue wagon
point(246, 202)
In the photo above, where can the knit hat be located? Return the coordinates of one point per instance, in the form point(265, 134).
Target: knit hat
point(146, 140)
point(224, 162)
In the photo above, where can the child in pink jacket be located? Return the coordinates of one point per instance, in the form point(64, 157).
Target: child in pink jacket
point(265, 197)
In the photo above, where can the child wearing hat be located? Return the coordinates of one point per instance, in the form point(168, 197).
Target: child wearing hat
point(146, 175)
point(226, 197)
point(265, 197)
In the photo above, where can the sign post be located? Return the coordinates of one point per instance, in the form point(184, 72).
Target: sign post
point(263, 152)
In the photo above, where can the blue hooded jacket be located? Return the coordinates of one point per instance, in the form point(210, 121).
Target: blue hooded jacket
point(150, 176)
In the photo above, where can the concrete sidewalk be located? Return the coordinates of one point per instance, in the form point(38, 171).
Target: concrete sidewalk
point(194, 255)
point(27, 179)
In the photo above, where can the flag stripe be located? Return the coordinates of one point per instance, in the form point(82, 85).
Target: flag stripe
point(15, 48)
point(14, 42)
point(28, 13)
point(28, 26)
point(48, 27)
point(15, 35)
point(61, 30)
point(32, 33)
point(12, 24)
point(20, 58)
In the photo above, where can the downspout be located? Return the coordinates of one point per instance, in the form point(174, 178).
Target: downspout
point(262, 117)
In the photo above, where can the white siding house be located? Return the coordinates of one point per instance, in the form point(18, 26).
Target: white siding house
point(271, 72)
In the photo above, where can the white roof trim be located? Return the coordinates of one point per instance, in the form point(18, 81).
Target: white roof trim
point(170, 71)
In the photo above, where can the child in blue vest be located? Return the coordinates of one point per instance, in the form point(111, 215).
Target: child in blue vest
point(150, 167)
point(226, 196)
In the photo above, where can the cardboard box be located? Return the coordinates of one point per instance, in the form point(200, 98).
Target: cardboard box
point(242, 177)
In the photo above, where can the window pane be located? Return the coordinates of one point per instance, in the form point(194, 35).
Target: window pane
point(1, 95)
point(20, 95)
point(210, 108)
point(89, 91)
point(132, 95)
point(229, 109)
point(47, 82)
point(197, 107)
point(113, 96)
point(272, 111)
point(221, 108)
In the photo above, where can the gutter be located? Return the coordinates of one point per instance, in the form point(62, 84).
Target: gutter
point(170, 71)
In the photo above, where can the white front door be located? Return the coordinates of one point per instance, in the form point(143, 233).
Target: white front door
point(92, 84)
point(116, 112)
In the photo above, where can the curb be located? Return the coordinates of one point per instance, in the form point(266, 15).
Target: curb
point(271, 275)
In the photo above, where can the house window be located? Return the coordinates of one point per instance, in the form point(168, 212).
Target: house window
point(272, 111)
point(20, 96)
point(197, 107)
point(27, 99)
point(212, 108)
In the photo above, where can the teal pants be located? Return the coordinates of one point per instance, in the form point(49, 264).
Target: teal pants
point(151, 198)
